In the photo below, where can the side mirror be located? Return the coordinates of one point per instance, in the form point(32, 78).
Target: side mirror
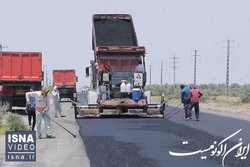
point(76, 78)
point(87, 71)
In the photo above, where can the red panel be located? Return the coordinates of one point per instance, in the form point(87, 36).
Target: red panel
point(15, 69)
point(133, 63)
point(20, 66)
point(26, 63)
point(125, 66)
point(31, 66)
point(105, 62)
point(114, 65)
point(120, 65)
point(64, 77)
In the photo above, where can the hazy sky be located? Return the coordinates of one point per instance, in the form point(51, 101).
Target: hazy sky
point(61, 30)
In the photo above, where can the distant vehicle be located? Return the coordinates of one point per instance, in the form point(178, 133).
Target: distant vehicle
point(19, 71)
point(84, 89)
point(116, 89)
point(65, 80)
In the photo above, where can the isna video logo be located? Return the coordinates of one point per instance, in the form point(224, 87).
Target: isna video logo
point(20, 146)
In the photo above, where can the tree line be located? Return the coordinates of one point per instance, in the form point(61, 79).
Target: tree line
point(209, 91)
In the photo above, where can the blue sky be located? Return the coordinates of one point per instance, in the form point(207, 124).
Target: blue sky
point(61, 30)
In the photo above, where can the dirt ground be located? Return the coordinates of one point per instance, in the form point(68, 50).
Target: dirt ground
point(242, 109)
point(230, 105)
point(62, 151)
point(220, 103)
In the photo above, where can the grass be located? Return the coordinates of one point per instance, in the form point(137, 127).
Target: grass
point(158, 99)
point(220, 103)
point(12, 122)
point(232, 101)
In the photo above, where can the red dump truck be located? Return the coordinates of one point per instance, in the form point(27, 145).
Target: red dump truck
point(19, 71)
point(116, 88)
point(65, 80)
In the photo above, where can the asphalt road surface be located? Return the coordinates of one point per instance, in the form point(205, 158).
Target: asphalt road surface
point(147, 142)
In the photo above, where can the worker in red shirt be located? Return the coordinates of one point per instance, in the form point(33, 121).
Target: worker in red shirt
point(194, 95)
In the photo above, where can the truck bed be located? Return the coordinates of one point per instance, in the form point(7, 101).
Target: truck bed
point(64, 78)
point(114, 30)
point(20, 66)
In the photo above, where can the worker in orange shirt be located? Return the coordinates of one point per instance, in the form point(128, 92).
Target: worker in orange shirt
point(100, 67)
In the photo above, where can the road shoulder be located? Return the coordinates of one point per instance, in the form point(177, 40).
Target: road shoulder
point(62, 151)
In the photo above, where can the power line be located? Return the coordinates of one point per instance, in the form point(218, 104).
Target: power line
point(47, 78)
point(174, 62)
point(195, 65)
point(150, 75)
point(227, 70)
point(1, 47)
point(161, 70)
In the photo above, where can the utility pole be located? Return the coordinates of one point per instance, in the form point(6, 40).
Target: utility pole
point(150, 75)
point(43, 81)
point(195, 62)
point(227, 72)
point(50, 82)
point(46, 78)
point(161, 70)
point(1, 98)
point(1, 47)
point(174, 62)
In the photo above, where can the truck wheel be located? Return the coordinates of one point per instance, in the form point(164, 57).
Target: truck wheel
point(1, 105)
point(6, 105)
point(75, 109)
point(1, 102)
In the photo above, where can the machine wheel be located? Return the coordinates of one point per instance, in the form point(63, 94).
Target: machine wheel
point(162, 109)
point(100, 109)
point(145, 109)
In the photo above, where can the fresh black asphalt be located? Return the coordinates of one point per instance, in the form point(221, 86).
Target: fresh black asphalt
point(141, 142)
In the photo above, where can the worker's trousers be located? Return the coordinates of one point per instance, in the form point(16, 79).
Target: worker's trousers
point(186, 105)
point(196, 108)
point(57, 107)
point(39, 117)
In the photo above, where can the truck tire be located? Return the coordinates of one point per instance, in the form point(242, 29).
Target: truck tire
point(75, 114)
point(1, 105)
point(6, 106)
point(1, 102)
point(75, 109)
point(9, 104)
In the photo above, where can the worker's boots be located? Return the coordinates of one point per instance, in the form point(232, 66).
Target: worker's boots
point(50, 137)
